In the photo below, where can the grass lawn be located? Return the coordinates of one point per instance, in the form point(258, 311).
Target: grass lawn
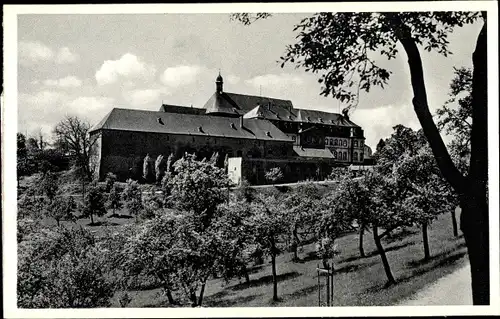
point(357, 281)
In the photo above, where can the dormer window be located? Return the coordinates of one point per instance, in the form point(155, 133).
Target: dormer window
point(309, 119)
point(290, 118)
point(233, 126)
point(160, 121)
point(268, 133)
point(321, 120)
point(200, 129)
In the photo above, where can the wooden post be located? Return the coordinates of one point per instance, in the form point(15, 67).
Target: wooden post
point(328, 286)
point(331, 284)
point(319, 287)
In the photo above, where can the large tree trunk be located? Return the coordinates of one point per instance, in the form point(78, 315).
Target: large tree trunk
point(425, 239)
point(385, 262)
point(472, 190)
point(474, 218)
point(170, 298)
point(361, 233)
point(454, 223)
point(247, 276)
point(295, 244)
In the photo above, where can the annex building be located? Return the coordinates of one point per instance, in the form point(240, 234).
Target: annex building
point(255, 133)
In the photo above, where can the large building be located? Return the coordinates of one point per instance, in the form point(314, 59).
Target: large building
point(255, 133)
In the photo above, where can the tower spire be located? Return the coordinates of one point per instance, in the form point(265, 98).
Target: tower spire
point(219, 83)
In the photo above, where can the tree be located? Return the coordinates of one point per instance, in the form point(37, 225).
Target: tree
point(159, 169)
point(337, 45)
point(72, 136)
point(269, 223)
point(382, 209)
point(114, 199)
point(274, 175)
point(94, 203)
point(110, 180)
point(49, 185)
point(132, 197)
point(198, 187)
point(147, 168)
point(62, 268)
point(237, 238)
point(61, 208)
point(425, 188)
point(303, 209)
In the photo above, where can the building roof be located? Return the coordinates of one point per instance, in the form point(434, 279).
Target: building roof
point(313, 152)
point(239, 104)
point(321, 117)
point(299, 115)
point(181, 109)
point(189, 124)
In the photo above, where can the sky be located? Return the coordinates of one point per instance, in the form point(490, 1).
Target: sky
point(85, 65)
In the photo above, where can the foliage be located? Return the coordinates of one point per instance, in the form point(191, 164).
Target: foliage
point(61, 208)
point(72, 136)
point(49, 185)
point(159, 168)
point(198, 187)
point(30, 205)
point(270, 225)
point(110, 180)
point(94, 203)
point(274, 175)
point(248, 18)
point(62, 268)
point(147, 168)
point(170, 247)
point(132, 197)
point(303, 208)
point(455, 117)
point(237, 238)
point(114, 199)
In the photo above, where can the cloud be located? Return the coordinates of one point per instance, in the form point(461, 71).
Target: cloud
point(66, 82)
point(181, 75)
point(276, 81)
point(146, 96)
point(128, 66)
point(40, 99)
point(378, 122)
point(64, 55)
point(88, 104)
point(34, 51)
point(233, 79)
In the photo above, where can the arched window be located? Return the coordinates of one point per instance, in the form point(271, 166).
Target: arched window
point(355, 143)
point(345, 156)
point(336, 142)
point(345, 143)
point(334, 152)
point(361, 156)
point(326, 141)
point(355, 156)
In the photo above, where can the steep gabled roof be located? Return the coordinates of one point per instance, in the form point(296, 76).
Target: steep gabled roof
point(189, 124)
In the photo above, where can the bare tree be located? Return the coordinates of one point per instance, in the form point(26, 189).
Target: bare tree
point(72, 136)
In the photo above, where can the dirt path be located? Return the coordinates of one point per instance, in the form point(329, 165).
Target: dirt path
point(452, 289)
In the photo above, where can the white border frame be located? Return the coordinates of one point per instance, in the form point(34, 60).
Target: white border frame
point(9, 129)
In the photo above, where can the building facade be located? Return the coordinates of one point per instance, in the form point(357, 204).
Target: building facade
point(261, 132)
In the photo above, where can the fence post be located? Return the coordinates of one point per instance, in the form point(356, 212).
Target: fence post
point(319, 287)
point(331, 284)
point(328, 285)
